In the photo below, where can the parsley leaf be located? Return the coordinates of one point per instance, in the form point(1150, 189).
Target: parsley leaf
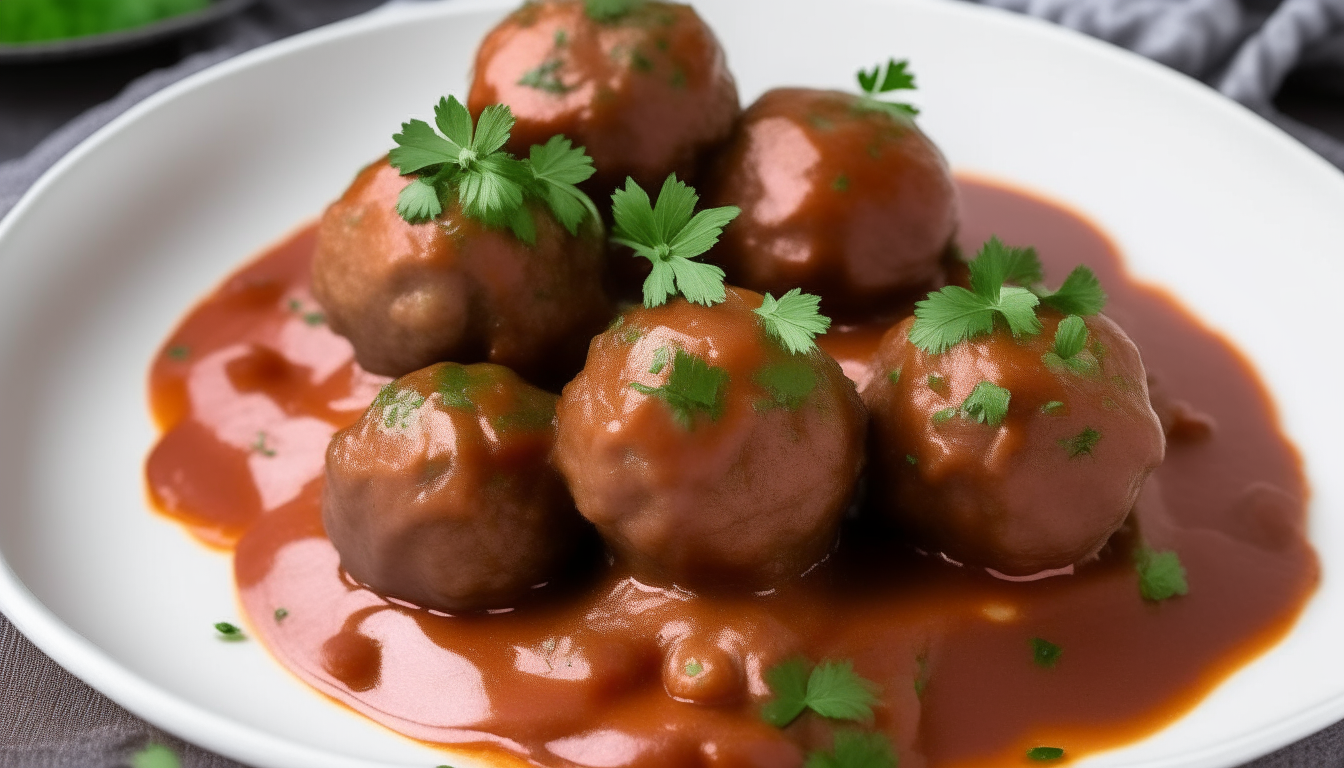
point(953, 314)
point(987, 403)
point(468, 161)
point(609, 10)
point(1045, 753)
point(543, 77)
point(228, 631)
point(853, 749)
point(788, 383)
point(668, 235)
point(793, 319)
point(1081, 443)
point(693, 668)
point(1161, 574)
point(897, 78)
point(1080, 294)
point(1045, 653)
point(1070, 348)
point(831, 690)
point(693, 387)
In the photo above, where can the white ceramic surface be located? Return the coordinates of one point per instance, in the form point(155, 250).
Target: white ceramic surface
point(109, 250)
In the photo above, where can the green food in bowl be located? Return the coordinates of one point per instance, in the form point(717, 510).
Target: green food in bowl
point(30, 21)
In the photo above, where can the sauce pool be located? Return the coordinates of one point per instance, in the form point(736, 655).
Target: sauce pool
point(251, 386)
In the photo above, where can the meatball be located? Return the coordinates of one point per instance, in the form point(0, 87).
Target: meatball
point(646, 89)
point(1040, 487)
point(855, 205)
point(704, 452)
point(409, 295)
point(441, 494)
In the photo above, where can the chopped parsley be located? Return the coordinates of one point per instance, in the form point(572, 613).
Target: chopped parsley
point(259, 446)
point(455, 384)
point(693, 668)
point(944, 416)
point(178, 352)
point(787, 382)
point(398, 406)
point(936, 383)
point(894, 376)
point(694, 387)
point(1053, 407)
point(853, 749)
point(669, 236)
point(545, 77)
point(281, 614)
point(794, 320)
point(875, 82)
point(228, 631)
point(987, 403)
point(492, 186)
point(1161, 575)
point(659, 360)
point(1081, 443)
point(999, 273)
point(609, 10)
point(1045, 653)
point(1070, 349)
point(831, 689)
point(1045, 753)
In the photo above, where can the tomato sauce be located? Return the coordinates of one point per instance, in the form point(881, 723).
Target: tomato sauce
point(251, 386)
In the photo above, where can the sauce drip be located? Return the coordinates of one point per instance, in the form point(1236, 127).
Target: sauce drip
point(598, 671)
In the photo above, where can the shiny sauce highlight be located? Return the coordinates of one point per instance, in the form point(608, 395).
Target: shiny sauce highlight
point(250, 387)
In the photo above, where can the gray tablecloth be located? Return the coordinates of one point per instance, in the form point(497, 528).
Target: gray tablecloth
point(1245, 48)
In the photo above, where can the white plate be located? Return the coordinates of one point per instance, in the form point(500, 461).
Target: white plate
point(110, 249)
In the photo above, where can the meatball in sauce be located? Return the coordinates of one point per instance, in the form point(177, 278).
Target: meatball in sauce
point(1038, 487)
point(410, 295)
point(705, 453)
point(853, 204)
point(645, 88)
point(441, 494)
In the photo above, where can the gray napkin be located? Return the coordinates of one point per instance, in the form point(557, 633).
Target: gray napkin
point(49, 719)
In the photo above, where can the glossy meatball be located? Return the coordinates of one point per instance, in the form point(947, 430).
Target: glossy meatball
point(855, 205)
point(704, 452)
point(409, 295)
point(1041, 490)
point(646, 92)
point(441, 494)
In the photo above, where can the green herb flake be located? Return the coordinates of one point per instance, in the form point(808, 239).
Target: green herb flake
point(155, 756)
point(398, 406)
point(1045, 753)
point(610, 10)
point(659, 360)
point(694, 387)
point(936, 383)
point(942, 417)
point(281, 614)
point(259, 446)
point(832, 689)
point(794, 320)
point(911, 460)
point(954, 314)
point(1161, 575)
point(1053, 407)
point(1082, 443)
point(640, 62)
point(1069, 350)
point(678, 79)
point(561, 38)
point(545, 77)
point(178, 352)
point(669, 236)
point(841, 183)
point(228, 631)
point(874, 82)
point(853, 749)
point(987, 403)
point(693, 668)
point(894, 377)
point(788, 382)
point(1080, 294)
point(1045, 653)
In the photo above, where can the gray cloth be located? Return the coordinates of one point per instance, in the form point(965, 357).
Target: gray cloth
point(49, 719)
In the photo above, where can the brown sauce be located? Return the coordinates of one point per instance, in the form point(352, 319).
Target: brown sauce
point(252, 384)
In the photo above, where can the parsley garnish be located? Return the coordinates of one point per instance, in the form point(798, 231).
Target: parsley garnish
point(987, 403)
point(953, 314)
point(259, 446)
point(228, 631)
point(1161, 574)
point(1081, 443)
point(894, 376)
point(281, 614)
point(944, 416)
point(693, 387)
point(936, 383)
point(1070, 348)
point(543, 77)
point(1045, 653)
point(831, 690)
point(399, 406)
point(155, 756)
point(853, 749)
point(491, 185)
point(659, 360)
point(897, 78)
point(794, 319)
point(178, 352)
point(1045, 753)
point(788, 382)
point(668, 235)
point(609, 10)
point(455, 383)
point(693, 668)
point(1052, 407)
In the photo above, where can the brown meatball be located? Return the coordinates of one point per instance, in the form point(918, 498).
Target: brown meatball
point(646, 93)
point(745, 489)
point(1042, 490)
point(408, 295)
point(441, 494)
point(852, 204)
